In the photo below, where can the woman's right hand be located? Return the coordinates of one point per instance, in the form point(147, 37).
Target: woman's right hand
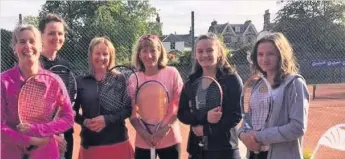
point(214, 115)
point(86, 123)
point(248, 139)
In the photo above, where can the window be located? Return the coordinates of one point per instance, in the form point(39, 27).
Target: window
point(172, 45)
point(227, 39)
point(234, 39)
point(237, 29)
point(228, 29)
point(250, 40)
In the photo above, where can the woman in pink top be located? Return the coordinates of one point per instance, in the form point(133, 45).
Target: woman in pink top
point(150, 58)
point(26, 42)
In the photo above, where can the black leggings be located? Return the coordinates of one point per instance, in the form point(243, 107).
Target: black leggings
point(261, 155)
point(172, 152)
point(69, 139)
point(221, 154)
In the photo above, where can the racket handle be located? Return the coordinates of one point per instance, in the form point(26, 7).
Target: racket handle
point(256, 155)
point(152, 153)
point(220, 109)
point(30, 147)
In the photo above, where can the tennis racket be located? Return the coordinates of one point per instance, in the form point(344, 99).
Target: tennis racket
point(152, 106)
point(37, 101)
point(117, 80)
point(208, 95)
point(69, 79)
point(256, 104)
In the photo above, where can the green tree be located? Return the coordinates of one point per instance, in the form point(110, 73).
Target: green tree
point(315, 28)
point(122, 21)
point(33, 20)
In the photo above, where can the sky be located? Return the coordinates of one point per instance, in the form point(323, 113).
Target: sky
point(175, 14)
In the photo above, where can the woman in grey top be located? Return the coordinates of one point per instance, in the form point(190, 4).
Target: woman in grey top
point(273, 56)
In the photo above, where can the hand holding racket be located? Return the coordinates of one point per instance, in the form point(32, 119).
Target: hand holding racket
point(152, 106)
point(256, 103)
point(214, 115)
point(37, 102)
point(208, 100)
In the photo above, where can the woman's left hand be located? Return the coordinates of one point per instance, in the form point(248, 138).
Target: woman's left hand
point(24, 127)
point(198, 130)
point(97, 124)
point(61, 143)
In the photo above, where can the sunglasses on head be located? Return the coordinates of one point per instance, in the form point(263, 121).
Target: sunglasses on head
point(148, 37)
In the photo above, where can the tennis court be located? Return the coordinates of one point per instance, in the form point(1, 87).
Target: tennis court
point(326, 110)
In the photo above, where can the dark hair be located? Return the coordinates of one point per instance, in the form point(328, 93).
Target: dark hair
point(286, 63)
point(50, 17)
point(222, 61)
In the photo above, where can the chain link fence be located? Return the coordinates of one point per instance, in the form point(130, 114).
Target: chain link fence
point(319, 65)
point(321, 59)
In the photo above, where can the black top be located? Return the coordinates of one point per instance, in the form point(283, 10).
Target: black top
point(222, 135)
point(89, 99)
point(47, 64)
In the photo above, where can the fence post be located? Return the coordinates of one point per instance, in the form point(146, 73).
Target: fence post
point(20, 19)
point(192, 36)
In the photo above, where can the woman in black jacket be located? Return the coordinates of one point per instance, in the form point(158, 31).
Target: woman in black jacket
point(218, 126)
point(105, 104)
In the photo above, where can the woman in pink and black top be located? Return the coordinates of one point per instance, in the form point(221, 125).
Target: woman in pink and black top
point(150, 58)
point(27, 43)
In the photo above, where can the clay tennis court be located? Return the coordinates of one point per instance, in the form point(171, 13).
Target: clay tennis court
point(327, 110)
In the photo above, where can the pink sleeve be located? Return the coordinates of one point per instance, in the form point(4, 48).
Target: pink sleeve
point(63, 122)
point(177, 88)
point(131, 91)
point(177, 85)
point(8, 133)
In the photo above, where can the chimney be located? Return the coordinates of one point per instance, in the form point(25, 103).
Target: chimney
point(267, 20)
point(214, 22)
point(158, 19)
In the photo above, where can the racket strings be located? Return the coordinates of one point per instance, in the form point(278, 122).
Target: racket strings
point(207, 95)
point(68, 79)
point(260, 102)
point(34, 98)
point(110, 92)
point(152, 103)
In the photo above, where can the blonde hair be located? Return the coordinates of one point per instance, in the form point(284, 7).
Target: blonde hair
point(104, 40)
point(222, 61)
point(286, 62)
point(20, 28)
point(153, 42)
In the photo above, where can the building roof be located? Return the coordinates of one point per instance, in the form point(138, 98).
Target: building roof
point(219, 28)
point(186, 38)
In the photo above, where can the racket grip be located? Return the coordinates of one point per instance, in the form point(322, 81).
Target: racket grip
point(220, 109)
point(256, 155)
point(30, 147)
point(152, 153)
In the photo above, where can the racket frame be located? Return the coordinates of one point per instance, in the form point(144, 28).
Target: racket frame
point(54, 115)
point(75, 88)
point(152, 148)
point(201, 143)
point(258, 77)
